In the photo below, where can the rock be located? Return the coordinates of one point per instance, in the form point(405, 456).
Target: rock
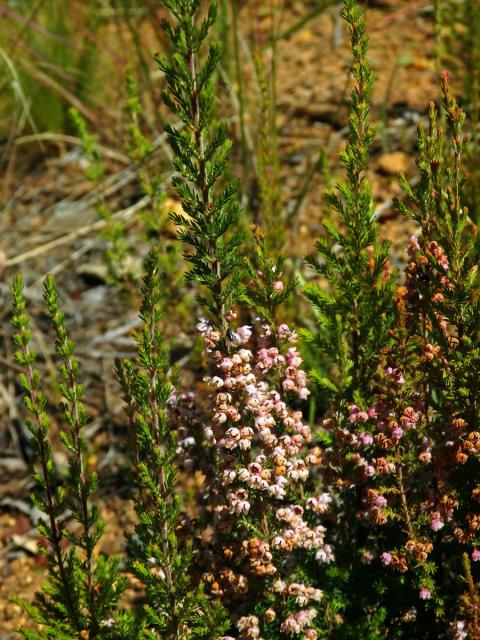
point(393, 164)
point(93, 271)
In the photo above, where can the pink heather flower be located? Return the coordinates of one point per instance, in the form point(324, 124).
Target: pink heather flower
point(425, 594)
point(279, 586)
point(296, 623)
point(353, 410)
point(283, 331)
point(396, 375)
point(293, 357)
point(476, 555)
point(248, 625)
point(436, 522)
point(365, 438)
point(356, 415)
point(278, 286)
point(288, 384)
point(386, 558)
point(397, 433)
point(413, 245)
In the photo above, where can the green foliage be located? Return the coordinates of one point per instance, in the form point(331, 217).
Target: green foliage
point(268, 160)
point(83, 590)
point(437, 205)
point(175, 607)
point(140, 147)
point(354, 310)
point(458, 24)
point(269, 286)
point(200, 150)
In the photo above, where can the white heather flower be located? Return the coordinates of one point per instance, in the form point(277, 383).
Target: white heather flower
point(109, 622)
point(319, 504)
point(243, 334)
point(228, 476)
point(209, 435)
point(245, 355)
point(325, 555)
point(303, 393)
point(279, 542)
point(220, 418)
point(243, 475)
point(203, 325)
point(277, 491)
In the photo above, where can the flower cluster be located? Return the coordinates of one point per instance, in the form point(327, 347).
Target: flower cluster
point(297, 622)
point(263, 455)
point(299, 535)
point(252, 415)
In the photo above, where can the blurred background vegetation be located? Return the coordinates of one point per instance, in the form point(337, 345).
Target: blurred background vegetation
point(61, 54)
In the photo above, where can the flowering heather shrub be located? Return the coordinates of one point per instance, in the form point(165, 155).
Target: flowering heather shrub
point(258, 491)
point(364, 527)
point(404, 455)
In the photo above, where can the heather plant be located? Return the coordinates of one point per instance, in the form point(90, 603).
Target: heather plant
point(258, 494)
point(458, 24)
point(442, 297)
point(403, 447)
point(354, 311)
point(253, 448)
point(83, 589)
point(81, 599)
point(200, 148)
point(160, 557)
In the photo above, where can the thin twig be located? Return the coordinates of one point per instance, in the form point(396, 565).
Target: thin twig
point(78, 233)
